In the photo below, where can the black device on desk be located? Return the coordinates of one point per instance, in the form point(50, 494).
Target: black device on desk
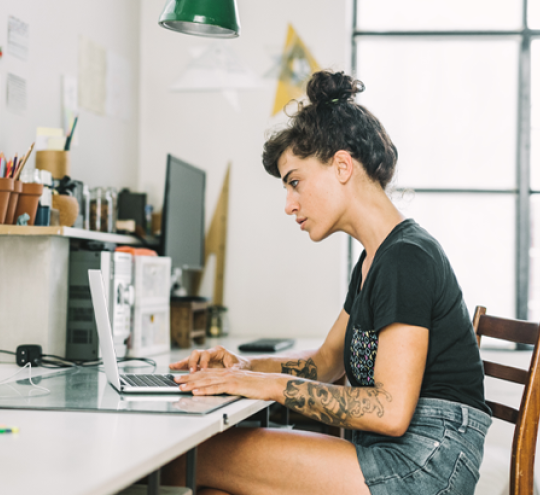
point(266, 345)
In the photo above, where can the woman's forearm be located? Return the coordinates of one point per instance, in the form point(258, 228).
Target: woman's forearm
point(362, 408)
point(298, 363)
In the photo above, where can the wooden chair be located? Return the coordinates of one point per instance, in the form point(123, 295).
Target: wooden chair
point(527, 417)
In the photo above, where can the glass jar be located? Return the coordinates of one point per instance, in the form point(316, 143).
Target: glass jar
point(113, 192)
point(217, 322)
point(86, 207)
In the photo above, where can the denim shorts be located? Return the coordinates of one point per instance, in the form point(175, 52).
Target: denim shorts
point(440, 454)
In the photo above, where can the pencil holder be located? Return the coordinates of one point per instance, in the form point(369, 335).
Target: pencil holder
point(6, 186)
point(12, 204)
point(55, 161)
point(28, 201)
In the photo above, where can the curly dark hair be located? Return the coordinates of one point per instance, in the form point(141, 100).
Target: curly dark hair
point(333, 121)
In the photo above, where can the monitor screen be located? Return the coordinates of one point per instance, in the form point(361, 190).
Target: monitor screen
point(182, 224)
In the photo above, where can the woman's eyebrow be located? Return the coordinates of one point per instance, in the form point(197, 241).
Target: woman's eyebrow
point(287, 176)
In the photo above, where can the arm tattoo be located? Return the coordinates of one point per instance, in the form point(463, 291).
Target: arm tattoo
point(333, 404)
point(302, 368)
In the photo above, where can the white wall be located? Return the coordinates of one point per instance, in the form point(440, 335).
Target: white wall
point(277, 281)
point(107, 153)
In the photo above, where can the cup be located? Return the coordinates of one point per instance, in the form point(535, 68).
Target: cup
point(57, 162)
point(28, 201)
point(13, 200)
point(6, 187)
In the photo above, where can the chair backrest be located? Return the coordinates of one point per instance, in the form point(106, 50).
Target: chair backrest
point(526, 418)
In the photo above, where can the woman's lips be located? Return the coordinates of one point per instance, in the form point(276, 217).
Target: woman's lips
point(302, 222)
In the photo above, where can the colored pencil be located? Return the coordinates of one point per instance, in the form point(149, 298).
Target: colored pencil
point(23, 162)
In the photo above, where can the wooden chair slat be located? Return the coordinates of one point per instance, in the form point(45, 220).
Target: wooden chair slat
point(521, 332)
point(526, 418)
point(506, 413)
point(509, 373)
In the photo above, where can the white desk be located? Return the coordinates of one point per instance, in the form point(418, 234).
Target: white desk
point(99, 453)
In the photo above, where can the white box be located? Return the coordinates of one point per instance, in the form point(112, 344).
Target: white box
point(152, 280)
point(151, 331)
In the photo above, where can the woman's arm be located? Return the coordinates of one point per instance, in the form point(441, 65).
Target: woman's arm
point(385, 408)
point(324, 364)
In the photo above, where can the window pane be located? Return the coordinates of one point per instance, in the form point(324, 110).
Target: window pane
point(533, 14)
point(535, 115)
point(449, 105)
point(534, 277)
point(415, 15)
point(477, 232)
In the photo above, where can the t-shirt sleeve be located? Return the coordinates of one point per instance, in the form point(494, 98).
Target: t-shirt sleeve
point(404, 288)
point(353, 285)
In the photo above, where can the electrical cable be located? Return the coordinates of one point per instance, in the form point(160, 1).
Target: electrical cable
point(29, 366)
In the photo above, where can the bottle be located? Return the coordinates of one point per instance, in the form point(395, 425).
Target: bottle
point(86, 207)
point(95, 209)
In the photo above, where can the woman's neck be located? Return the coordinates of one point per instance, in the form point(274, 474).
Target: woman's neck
point(371, 219)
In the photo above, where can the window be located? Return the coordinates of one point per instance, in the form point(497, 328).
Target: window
point(457, 86)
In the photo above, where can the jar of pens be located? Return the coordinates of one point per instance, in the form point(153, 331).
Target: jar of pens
point(18, 201)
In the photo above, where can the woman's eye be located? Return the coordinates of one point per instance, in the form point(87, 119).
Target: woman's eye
point(293, 183)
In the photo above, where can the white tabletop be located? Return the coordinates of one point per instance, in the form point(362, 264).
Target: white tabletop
point(99, 453)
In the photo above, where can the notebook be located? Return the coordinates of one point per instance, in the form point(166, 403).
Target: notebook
point(128, 382)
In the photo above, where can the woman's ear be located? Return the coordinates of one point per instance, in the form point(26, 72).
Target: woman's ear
point(343, 165)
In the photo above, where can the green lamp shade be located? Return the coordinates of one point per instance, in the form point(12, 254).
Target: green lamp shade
point(211, 18)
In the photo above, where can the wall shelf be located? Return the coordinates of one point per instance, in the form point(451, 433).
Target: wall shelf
point(69, 232)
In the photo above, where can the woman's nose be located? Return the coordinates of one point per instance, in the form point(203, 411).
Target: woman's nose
point(290, 205)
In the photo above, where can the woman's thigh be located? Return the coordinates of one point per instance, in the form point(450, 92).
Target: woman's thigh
point(246, 461)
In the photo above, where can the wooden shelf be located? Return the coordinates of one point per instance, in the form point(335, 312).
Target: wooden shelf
point(69, 232)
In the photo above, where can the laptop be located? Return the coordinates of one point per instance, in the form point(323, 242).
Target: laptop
point(132, 383)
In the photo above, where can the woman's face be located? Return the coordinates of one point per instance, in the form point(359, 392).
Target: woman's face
point(312, 194)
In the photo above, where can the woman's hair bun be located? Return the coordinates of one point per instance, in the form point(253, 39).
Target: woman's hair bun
point(331, 87)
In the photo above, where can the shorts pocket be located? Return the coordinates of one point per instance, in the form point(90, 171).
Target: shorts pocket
point(398, 457)
point(463, 478)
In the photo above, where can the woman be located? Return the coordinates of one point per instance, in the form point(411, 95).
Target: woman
point(404, 337)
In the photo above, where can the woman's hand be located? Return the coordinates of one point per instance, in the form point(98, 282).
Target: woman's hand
point(234, 381)
point(217, 357)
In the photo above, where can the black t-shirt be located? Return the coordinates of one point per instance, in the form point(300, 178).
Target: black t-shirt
point(411, 281)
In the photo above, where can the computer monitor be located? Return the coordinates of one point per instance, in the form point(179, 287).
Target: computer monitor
point(182, 222)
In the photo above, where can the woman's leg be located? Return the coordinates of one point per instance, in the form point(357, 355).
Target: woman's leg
point(246, 461)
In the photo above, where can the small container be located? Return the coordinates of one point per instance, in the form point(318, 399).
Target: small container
point(95, 209)
point(217, 322)
point(57, 162)
point(68, 208)
point(28, 201)
point(113, 192)
point(6, 188)
point(43, 215)
point(86, 207)
point(13, 200)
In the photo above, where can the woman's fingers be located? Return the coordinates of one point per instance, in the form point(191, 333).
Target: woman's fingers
point(217, 357)
point(180, 365)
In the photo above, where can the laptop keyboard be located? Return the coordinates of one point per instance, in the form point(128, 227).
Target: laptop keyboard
point(138, 380)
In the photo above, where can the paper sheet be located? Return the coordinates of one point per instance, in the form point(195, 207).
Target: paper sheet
point(119, 91)
point(16, 94)
point(218, 68)
point(92, 76)
point(17, 39)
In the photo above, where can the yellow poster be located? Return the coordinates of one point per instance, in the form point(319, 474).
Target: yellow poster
point(297, 64)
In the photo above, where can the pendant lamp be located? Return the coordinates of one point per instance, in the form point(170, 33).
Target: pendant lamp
point(210, 18)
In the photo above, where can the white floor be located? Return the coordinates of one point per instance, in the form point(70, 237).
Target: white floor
point(495, 470)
